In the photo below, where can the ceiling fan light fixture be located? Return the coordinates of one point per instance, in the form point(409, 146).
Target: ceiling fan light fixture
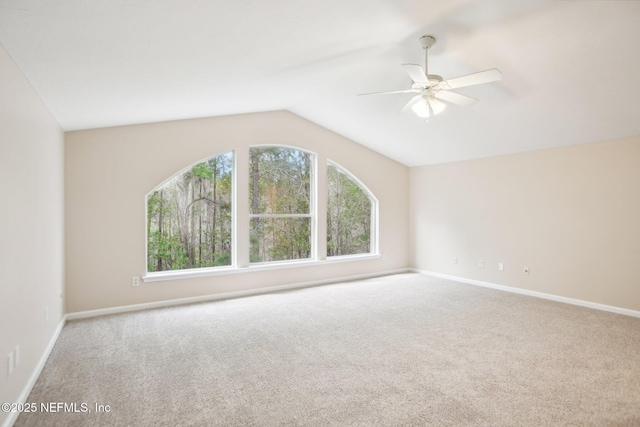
point(425, 106)
point(421, 108)
point(436, 105)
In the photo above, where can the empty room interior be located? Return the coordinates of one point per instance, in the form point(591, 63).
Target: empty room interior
point(382, 212)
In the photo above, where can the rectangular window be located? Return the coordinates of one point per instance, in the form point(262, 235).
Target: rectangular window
point(280, 198)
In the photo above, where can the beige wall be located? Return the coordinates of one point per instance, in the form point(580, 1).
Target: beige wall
point(31, 227)
point(109, 171)
point(570, 214)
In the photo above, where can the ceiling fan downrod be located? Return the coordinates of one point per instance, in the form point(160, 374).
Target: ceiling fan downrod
point(426, 42)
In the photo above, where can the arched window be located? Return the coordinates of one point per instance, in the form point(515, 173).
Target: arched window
point(351, 214)
point(281, 203)
point(189, 218)
point(192, 218)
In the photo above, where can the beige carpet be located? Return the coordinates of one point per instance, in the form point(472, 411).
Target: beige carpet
point(399, 350)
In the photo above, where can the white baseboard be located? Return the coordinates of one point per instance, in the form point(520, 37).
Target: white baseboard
point(225, 295)
point(26, 391)
point(536, 294)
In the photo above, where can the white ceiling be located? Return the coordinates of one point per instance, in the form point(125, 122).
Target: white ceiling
point(570, 68)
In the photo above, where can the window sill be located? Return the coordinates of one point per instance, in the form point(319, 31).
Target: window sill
point(222, 271)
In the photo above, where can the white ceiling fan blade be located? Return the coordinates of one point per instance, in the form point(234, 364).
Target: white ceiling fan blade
point(472, 79)
point(455, 98)
point(411, 102)
point(416, 73)
point(393, 91)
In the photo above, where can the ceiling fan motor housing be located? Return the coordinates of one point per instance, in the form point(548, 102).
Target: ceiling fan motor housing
point(427, 41)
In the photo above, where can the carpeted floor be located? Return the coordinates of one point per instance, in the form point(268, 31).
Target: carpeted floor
point(398, 350)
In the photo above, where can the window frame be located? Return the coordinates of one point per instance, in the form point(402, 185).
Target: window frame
point(150, 275)
point(240, 247)
point(313, 214)
point(374, 248)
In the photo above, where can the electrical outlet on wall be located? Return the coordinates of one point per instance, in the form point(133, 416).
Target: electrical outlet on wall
point(500, 266)
point(525, 270)
point(455, 260)
point(135, 281)
point(481, 264)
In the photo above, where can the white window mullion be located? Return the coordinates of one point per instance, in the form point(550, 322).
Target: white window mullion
point(241, 204)
point(320, 231)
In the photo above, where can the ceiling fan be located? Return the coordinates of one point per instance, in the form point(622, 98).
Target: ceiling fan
point(431, 89)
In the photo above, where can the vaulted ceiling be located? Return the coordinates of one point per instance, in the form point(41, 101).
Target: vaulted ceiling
point(570, 68)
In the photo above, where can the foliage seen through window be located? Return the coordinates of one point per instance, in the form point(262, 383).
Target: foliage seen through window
point(189, 218)
point(348, 215)
point(280, 202)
